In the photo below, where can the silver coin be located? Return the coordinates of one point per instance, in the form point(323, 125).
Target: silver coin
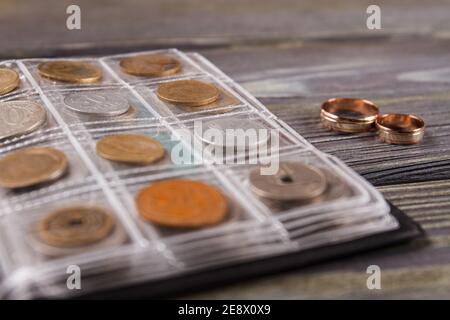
point(77, 117)
point(235, 133)
point(105, 103)
point(292, 181)
point(20, 117)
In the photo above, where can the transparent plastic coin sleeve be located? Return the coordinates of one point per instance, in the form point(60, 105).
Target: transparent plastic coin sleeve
point(252, 229)
point(30, 66)
point(188, 68)
point(228, 101)
point(135, 114)
point(151, 129)
point(74, 178)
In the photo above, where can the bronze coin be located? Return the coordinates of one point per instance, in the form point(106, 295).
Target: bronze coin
point(182, 204)
point(130, 148)
point(9, 80)
point(31, 166)
point(75, 226)
point(224, 100)
point(150, 65)
point(70, 71)
point(189, 93)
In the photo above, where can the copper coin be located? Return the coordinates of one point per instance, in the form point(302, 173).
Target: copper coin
point(189, 93)
point(31, 166)
point(75, 226)
point(130, 148)
point(9, 80)
point(292, 181)
point(182, 203)
point(150, 65)
point(70, 71)
point(400, 128)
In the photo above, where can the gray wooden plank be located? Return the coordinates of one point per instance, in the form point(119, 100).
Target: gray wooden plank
point(35, 28)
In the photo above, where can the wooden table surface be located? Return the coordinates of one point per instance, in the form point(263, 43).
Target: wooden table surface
point(292, 55)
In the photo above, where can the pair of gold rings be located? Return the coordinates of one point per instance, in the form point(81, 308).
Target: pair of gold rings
point(358, 115)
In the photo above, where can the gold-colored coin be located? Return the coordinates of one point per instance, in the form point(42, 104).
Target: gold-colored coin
point(189, 93)
point(182, 204)
point(224, 100)
point(70, 71)
point(31, 166)
point(76, 226)
point(150, 65)
point(9, 80)
point(130, 148)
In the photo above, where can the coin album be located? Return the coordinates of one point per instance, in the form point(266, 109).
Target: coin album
point(137, 250)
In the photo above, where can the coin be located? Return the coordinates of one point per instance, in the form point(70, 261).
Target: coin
point(224, 100)
point(234, 133)
point(105, 103)
point(292, 181)
point(150, 65)
point(118, 236)
point(75, 226)
point(70, 71)
point(336, 189)
point(20, 117)
point(9, 80)
point(189, 93)
point(130, 148)
point(182, 203)
point(31, 166)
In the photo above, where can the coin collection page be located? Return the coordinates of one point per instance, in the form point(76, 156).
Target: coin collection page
point(88, 177)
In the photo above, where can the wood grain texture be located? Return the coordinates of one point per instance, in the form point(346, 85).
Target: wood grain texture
point(39, 28)
point(294, 81)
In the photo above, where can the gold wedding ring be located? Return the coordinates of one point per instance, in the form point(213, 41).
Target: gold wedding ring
point(400, 128)
point(349, 115)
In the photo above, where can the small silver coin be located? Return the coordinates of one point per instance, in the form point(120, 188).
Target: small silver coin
point(105, 103)
point(292, 181)
point(234, 133)
point(20, 117)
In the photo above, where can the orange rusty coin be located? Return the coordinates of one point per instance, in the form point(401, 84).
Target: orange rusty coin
point(182, 204)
